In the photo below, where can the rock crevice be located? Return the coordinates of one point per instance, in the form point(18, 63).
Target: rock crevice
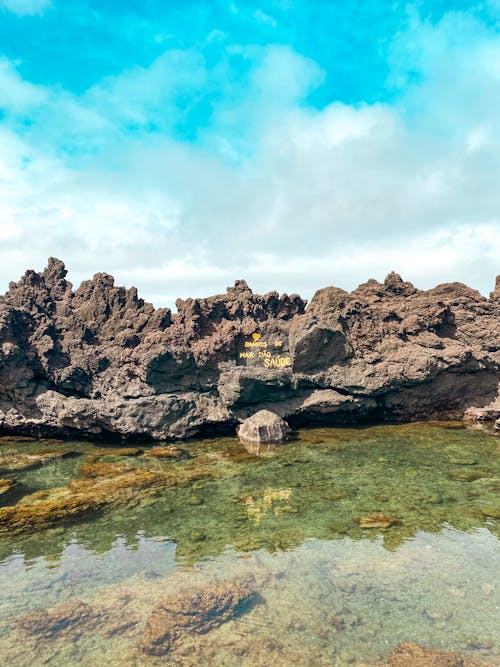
point(100, 361)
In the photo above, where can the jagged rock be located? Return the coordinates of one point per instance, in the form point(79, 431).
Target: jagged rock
point(195, 612)
point(264, 426)
point(99, 361)
point(316, 347)
point(496, 292)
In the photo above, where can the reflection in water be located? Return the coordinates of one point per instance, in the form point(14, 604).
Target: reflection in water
point(353, 539)
point(260, 448)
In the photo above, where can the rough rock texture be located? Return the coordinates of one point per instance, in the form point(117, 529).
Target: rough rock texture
point(264, 426)
point(409, 654)
point(194, 612)
point(49, 622)
point(6, 486)
point(71, 620)
point(101, 362)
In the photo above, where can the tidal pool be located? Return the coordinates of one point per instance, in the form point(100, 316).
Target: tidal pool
point(350, 541)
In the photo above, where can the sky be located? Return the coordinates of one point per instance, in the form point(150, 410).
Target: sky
point(183, 145)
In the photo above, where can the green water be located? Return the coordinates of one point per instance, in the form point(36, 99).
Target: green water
point(330, 591)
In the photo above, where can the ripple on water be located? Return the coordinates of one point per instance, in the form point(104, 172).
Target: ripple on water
point(352, 540)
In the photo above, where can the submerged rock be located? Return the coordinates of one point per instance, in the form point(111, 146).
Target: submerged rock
point(6, 486)
point(167, 452)
point(409, 654)
point(24, 461)
point(377, 521)
point(195, 612)
point(62, 619)
point(104, 485)
point(264, 427)
point(118, 451)
point(71, 620)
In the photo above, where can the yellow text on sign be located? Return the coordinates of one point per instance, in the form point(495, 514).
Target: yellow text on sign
point(277, 362)
point(256, 343)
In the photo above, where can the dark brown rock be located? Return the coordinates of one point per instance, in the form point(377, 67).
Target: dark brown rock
point(99, 361)
point(412, 655)
point(67, 618)
point(194, 612)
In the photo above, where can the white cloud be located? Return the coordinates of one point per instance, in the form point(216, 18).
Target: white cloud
point(26, 7)
point(306, 199)
point(17, 95)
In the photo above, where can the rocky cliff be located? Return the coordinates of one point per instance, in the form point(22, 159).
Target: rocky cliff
point(100, 361)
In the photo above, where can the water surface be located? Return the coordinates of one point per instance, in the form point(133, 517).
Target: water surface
point(290, 519)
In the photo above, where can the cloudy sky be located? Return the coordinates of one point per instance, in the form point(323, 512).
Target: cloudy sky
point(181, 145)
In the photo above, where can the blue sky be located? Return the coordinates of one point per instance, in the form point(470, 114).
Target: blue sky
point(182, 145)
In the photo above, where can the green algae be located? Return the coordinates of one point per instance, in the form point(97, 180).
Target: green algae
point(384, 491)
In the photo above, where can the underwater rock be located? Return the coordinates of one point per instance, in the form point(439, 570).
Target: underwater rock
point(440, 616)
point(21, 517)
point(377, 521)
point(479, 644)
point(338, 494)
point(257, 507)
point(264, 426)
point(72, 617)
point(196, 611)
point(91, 470)
point(466, 475)
point(44, 508)
point(6, 486)
point(409, 654)
point(491, 512)
point(71, 620)
point(106, 485)
point(23, 461)
point(463, 459)
point(118, 451)
point(167, 452)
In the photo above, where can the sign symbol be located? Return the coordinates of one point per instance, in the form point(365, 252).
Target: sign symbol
point(256, 336)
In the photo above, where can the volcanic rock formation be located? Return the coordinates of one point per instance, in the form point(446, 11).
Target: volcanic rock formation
point(101, 362)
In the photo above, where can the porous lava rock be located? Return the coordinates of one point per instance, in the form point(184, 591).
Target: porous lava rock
point(101, 362)
point(409, 654)
point(73, 617)
point(194, 612)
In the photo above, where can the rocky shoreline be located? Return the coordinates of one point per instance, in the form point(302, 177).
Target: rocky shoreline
point(100, 362)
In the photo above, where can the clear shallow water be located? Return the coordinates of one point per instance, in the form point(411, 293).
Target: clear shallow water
point(330, 591)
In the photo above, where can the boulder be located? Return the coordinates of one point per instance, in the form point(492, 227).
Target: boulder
point(194, 612)
point(264, 426)
point(409, 654)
